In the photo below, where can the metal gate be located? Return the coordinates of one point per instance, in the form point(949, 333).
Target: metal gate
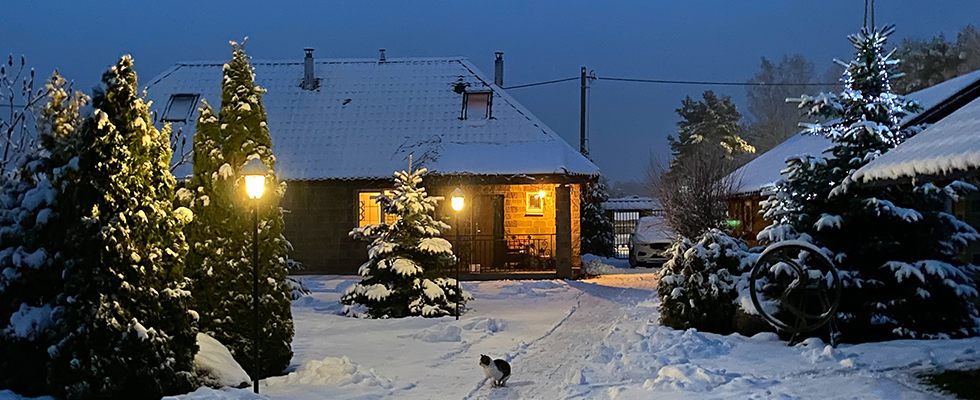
point(623, 224)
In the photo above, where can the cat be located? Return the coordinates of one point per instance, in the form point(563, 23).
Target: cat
point(498, 371)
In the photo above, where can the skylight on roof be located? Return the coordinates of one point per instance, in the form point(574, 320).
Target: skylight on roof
point(476, 106)
point(179, 107)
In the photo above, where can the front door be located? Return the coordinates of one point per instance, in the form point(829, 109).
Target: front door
point(487, 232)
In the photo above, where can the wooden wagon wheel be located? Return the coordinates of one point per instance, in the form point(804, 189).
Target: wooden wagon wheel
point(795, 288)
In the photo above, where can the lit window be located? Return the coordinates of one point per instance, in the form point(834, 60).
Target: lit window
point(476, 105)
point(180, 107)
point(535, 203)
point(369, 212)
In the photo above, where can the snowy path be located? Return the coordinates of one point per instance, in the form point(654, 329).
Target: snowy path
point(593, 339)
point(558, 356)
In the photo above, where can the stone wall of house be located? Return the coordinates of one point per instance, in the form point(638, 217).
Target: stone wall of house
point(516, 219)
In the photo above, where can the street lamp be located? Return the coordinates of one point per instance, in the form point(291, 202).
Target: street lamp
point(457, 203)
point(254, 172)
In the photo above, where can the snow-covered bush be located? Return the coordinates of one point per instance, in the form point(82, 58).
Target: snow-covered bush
point(297, 288)
point(597, 228)
point(895, 245)
point(698, 284)
point(220, 237)
point(407, 260)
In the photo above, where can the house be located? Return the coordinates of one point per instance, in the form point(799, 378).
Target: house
point(341, 127)
point(757, 178)
point(624, 212)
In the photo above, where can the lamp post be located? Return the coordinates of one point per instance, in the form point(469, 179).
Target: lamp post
point(254, 172)
point(457, 203)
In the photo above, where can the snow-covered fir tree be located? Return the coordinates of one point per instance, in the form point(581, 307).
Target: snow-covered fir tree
point(597, 227)
point(31, 232)
point(126, 332)
point(896, 246)
point(220, 260)
point(407, 260)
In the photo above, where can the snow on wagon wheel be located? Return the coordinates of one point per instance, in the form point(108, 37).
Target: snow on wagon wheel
point(796, 288)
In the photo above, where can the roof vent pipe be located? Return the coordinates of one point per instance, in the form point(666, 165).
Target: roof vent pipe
point(309, 81)
point(382, 59)
point(498, 69)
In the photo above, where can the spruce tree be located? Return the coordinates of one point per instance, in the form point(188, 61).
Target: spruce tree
point(126, 331)
point(895, 245)
point(31, 234)
point(221, 238)
point(407, 260)
point(597, 227)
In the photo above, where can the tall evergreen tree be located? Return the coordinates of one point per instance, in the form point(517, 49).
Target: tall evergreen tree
point(895, 245)
point(221, 238)
point(407, 260)
point(597, 227)
point(710, 125)
point(31, 232)
point(126, 331)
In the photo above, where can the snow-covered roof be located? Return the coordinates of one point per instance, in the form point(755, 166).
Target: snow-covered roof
point(950, 145)
point(366, 117)
point(936, 94)
point(632, 203)
point(762, 173)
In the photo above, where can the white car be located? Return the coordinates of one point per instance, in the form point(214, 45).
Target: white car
point(649, 242)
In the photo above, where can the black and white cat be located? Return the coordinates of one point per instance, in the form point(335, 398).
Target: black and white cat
point(498, 371)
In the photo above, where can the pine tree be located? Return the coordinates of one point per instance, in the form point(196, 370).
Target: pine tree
point(31, 231)
point(597, 228)
point(204, 233)
point(221, 241)
point(710, 126)
point(407, 260)
point(895, 245)
point(126, 331)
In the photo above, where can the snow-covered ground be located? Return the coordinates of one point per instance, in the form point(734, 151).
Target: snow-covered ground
point(592, 339)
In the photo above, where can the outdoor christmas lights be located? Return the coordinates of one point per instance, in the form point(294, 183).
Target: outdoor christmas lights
point(254, 173)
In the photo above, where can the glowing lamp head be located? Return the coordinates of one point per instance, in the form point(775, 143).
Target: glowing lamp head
point(457, 199)
point(254, 172)
point(541, 194)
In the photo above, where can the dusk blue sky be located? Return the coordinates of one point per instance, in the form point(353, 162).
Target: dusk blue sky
point(689, 40)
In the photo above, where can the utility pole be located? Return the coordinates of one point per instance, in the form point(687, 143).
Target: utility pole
point(582, 117)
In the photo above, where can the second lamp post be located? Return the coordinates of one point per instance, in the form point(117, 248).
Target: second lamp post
point(457, 203)
point(254, 172)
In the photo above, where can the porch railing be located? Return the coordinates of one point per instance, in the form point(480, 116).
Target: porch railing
point(512, 253)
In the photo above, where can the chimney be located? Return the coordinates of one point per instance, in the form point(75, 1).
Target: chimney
point(309, 81)
point(382, 59)
point(498, 69)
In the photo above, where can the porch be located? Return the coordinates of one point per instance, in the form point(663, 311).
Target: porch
point(518, 256)
point(513, 231)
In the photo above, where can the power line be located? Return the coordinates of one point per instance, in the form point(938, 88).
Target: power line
point(674, 82)
point(542, 83)
point(718, 83)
